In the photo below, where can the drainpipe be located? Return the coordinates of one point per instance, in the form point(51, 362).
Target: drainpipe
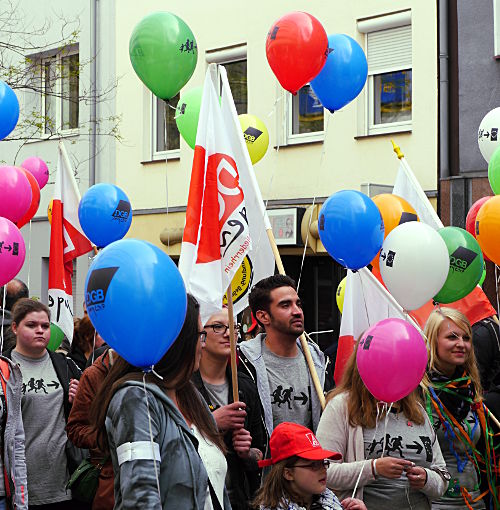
point(93, 88)
point(444, 152)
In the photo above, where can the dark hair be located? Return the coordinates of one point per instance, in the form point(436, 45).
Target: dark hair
point(260, 295)
point(176, 367)
point(25, 306)
point(83, 337)
point(16, 290)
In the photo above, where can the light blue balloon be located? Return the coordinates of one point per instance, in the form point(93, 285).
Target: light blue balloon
point(9, 110)
point(351, 228)
point(105, 214)
point(344, 74)
point(136, 300)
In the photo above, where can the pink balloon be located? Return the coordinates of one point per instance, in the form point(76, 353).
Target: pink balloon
point(12, 250)
point(391, 358)
point(15, 193)
point(38, 168)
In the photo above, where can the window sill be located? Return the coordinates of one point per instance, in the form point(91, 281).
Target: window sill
point(385, 133)
point(170, 157)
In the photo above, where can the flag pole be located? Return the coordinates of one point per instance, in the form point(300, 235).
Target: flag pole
point(232, 340)
point(303, 340)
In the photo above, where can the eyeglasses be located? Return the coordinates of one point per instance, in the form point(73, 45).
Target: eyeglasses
point(317, 465)
point(221, 329)
point(202, 335)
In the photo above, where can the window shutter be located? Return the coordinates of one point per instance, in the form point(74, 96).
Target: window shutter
point(389, 49)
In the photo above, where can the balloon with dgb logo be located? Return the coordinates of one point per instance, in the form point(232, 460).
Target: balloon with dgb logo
point(488, 227)
point(256, 136)
point(13, 251)
point(9, 110)
point(188, 113)
point(136, 299)
point(38, 168)
point(15, 193)
point(466, 264)
point(488, 136)
point(339, 295)
point(105, 214)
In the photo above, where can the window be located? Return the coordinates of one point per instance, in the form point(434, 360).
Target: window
point(60, 75)
point(234, 59)
point(166, 136)
point(387, 104)
point(305, 116)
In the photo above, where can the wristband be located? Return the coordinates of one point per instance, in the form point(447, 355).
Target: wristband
point(374, 468)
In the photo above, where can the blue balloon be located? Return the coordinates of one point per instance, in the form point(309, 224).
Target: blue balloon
point(136, 300)
point(344, 74)
point(9, 110)
point(351, 228)
point(105, 214)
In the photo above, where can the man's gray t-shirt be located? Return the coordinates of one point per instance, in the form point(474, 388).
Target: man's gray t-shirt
point(45, 430)
point(218, 393)
point(289, 387)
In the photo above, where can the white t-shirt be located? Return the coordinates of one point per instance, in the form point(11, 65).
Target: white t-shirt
point(215, 464)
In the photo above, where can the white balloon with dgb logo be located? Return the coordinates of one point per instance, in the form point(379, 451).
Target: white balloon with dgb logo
point(488, 135)
point(414, 264)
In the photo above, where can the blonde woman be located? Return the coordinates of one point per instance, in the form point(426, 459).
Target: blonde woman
point(395, 464)
point(454, 404)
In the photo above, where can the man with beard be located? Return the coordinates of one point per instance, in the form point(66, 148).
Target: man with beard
point(274, 359)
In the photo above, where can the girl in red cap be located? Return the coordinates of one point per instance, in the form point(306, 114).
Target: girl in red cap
point(297, 479)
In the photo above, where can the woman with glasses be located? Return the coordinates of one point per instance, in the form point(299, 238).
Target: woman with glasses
point(163, 441)
point(297, 478)
point(391, 457)
point(454, 403)
point(240, 422)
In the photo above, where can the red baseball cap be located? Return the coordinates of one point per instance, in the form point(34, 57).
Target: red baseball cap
point(289, 439)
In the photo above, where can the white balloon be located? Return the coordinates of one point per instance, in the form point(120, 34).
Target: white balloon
point(488, 135)
point(414, 264)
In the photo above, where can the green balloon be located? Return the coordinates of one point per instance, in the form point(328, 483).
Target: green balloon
point(163, 53)
point(466, 264)
point(483, 276)
point(56, 337)
point(494, 171)
point(188, 113)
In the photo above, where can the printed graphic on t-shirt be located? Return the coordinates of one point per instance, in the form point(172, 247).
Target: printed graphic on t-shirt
point(38, 385)
point(397, 446)
point(286, 396)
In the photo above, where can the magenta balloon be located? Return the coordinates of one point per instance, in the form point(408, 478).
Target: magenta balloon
point(391, 358)
point(12, 252)
point(15, 193)
point(38, 168)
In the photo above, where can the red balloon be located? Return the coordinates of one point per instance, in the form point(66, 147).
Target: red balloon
point(470, 222)
point(296, 49)
point(35, 199)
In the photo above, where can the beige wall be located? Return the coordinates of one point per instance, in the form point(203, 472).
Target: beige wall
point(296, 172)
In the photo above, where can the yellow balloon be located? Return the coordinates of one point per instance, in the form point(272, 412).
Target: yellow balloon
point(339, 295)
point(49, 211)
point(256, 136)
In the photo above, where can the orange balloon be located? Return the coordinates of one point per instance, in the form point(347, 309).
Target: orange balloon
point(35, 199)
point(487, 228)
point(395, 211)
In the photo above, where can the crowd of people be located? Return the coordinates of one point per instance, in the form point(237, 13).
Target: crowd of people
point(86, 429)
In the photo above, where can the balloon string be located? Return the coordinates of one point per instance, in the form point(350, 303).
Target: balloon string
point(93, 346)
point(29, 256)
point(4, 288)
point(151, 435)
point(166, 171)
point(321, 160)
point(364, 299)
point(498, 299)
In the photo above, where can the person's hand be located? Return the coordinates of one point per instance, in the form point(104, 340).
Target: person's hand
point(242, 441)
point(230, 417)
point(417, 476)
point(73, 386)
point(353, 504)
point(389, 467)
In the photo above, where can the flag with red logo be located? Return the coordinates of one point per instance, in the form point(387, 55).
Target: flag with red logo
point(67, 241)
point(366, 301)
point(225, 237)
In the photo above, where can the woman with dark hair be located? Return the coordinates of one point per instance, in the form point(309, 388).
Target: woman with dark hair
point(162, 438)
point(396, 462)
point(50, 381)
point(85, 340)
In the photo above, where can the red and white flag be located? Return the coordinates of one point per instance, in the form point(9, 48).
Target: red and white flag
point(67, 241)
point(366, 301)
point(225, 233)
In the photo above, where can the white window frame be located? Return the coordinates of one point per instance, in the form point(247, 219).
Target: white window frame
point(366, 100)
point(297, 138)
point(160, 155)
point(496, 28)
point(57, 58)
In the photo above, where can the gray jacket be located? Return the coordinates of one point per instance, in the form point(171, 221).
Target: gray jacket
point(182, 476)
point(251, 357)
point(13, 437)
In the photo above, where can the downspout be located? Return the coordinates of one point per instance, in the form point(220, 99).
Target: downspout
point(444, 149)
point(93, 88)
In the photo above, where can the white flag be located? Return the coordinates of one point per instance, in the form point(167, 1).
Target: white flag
point(225, 234)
